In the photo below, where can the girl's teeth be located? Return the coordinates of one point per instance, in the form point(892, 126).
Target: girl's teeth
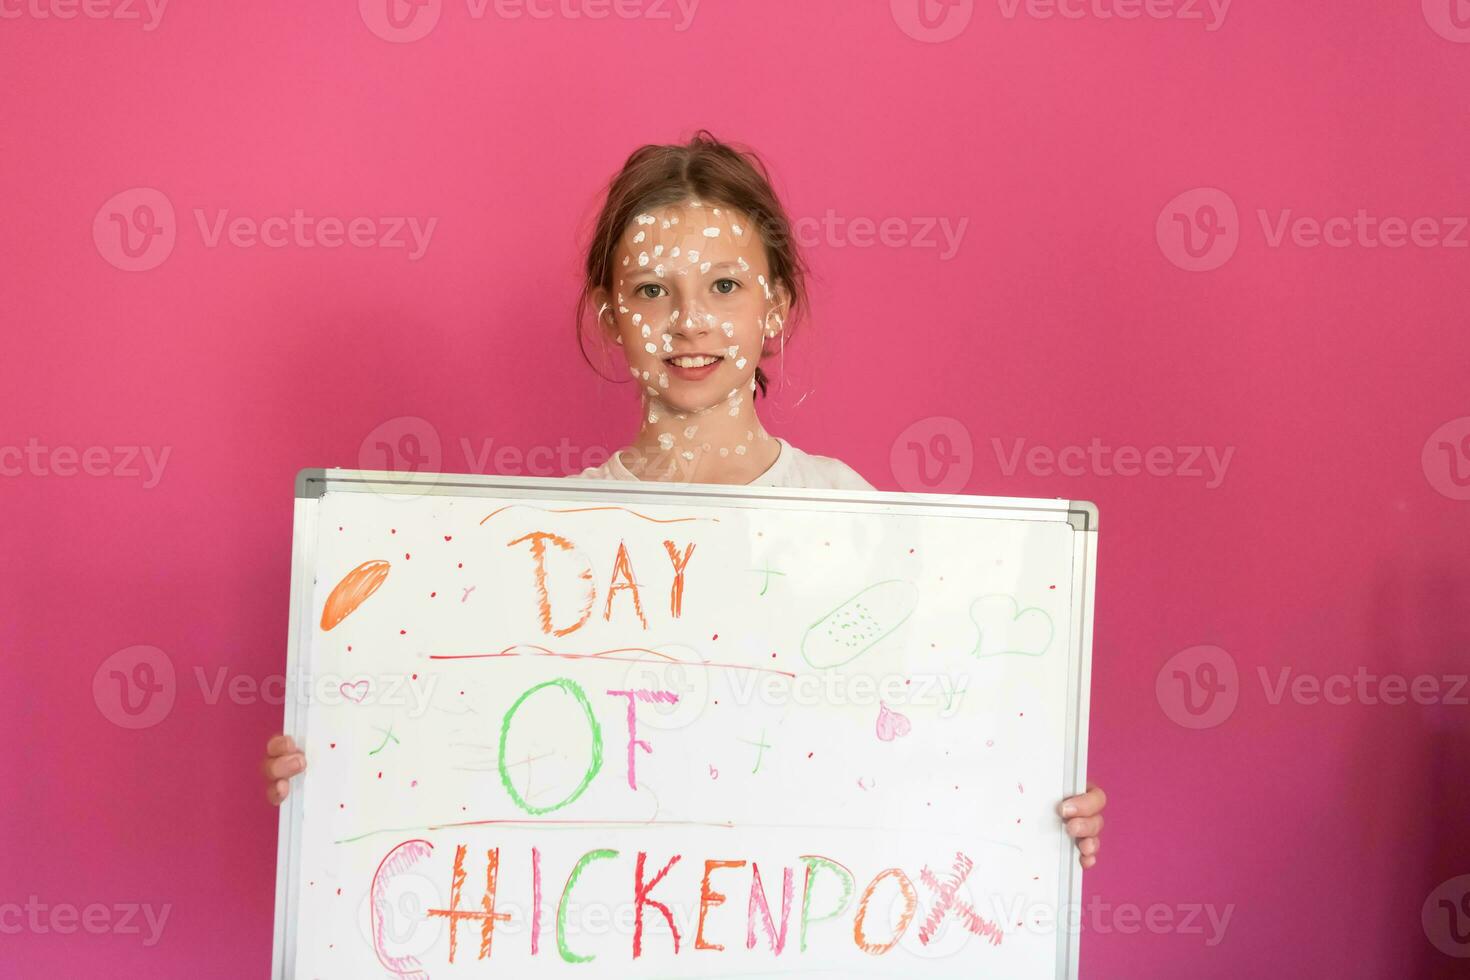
point(691, 362)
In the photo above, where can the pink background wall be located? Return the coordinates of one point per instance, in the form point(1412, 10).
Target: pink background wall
point(1335, 541)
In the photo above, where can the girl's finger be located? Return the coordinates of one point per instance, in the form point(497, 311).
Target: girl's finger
point(284, 766)
point(1085, 805)
point(280, 745)
point(1085, 826)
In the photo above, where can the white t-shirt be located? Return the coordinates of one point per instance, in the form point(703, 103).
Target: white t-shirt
point(792, 468)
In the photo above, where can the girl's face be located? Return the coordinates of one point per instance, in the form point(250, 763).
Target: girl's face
point(692, 303)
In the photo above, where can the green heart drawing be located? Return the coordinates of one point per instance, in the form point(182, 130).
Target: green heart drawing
point(1018, 614)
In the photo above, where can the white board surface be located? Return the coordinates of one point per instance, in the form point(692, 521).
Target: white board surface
point(599, 693)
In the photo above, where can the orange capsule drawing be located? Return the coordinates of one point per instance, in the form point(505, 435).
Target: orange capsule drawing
point(353, 591)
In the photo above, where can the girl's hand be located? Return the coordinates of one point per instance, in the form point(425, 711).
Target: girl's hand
point(1083, 815)
point(282, 761)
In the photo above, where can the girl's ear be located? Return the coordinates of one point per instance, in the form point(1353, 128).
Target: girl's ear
point(602, 312)
point(779, 310)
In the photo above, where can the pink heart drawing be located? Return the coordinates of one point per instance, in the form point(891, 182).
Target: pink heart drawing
point(354, 692)
point(891, 724)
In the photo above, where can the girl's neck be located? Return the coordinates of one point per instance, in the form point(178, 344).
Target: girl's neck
point(724, 443)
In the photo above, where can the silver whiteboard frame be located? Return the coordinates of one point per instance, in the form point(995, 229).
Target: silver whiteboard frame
point(312, 483)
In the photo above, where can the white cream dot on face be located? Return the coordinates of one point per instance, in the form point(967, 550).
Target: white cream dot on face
point(704, 267)
point(744, 265)
point(690, 430)
point(732, 350)
point(675, 253)
point(658, 250)
point(645, 219)
point(642, 259)
point(724, 451)
point(712, 233)
point(729, 329)
point(693, 255)
point(687, 455)
point(647, 330)
point(658, 270)
point(665, 441)
point(663, 380)
point(623, 310)
point(740, 363)
point(736, 229)
point(627, 259)
point(651, 348)
point(637, 319)
point(640, 238)
point(740, 450)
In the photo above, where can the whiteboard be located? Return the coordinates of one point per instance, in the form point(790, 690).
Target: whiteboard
point(597, 728)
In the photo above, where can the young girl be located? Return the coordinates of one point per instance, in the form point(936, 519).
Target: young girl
point(692, 272)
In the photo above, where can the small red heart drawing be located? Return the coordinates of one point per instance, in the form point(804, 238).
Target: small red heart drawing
point(448, 537)
point(891, 724)
point(354, 692)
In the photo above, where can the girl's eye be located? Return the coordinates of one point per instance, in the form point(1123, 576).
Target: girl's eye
point(650, 290)
point(721, 284)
